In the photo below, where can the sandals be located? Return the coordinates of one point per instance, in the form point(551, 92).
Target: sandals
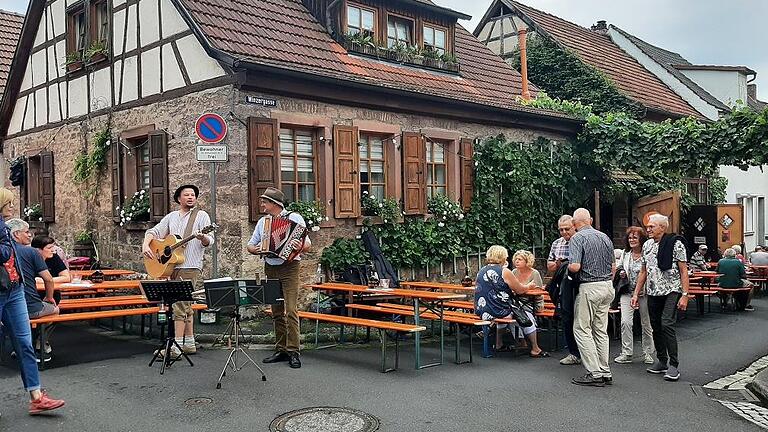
point(506, 348)
point(541, 354)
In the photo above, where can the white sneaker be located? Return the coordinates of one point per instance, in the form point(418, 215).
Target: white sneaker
point(648, 359)
point(570, 359)
point(623, 359)
point(48, 348)
point(175, 353)
point(189, 348)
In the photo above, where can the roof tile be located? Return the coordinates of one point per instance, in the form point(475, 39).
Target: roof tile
point(10, 30)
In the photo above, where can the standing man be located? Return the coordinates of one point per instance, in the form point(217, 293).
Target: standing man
point(286, 315)
point(591, 256)
point(558, 256)
point(666, 269)
point(186, 220)
point(13, 311)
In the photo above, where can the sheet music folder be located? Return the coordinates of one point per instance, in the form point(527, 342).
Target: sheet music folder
point(242, 292)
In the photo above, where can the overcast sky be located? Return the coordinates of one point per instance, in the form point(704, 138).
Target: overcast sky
point(732, 32)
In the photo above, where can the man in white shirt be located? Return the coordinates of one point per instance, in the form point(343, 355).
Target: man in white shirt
point(286, 315)
point(175, 223)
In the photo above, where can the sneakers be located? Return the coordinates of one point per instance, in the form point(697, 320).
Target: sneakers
point(189, 348)
point(48, 348)
point(623, 359)
point(672, 374)
point(749, 308)
point(648, 359)
point(657, 368)
point(589, 380)
point(175, 353)
point(43, 404)
point(570, 359)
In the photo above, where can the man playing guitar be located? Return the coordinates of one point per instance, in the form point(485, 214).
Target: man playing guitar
point(175, 223)
point(286, 315)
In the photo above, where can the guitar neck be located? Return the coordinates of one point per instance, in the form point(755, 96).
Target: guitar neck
point(184, 241)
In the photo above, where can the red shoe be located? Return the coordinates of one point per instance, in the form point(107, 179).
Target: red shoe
point(44, 403)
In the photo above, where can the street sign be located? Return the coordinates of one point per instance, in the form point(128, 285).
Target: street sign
point(211, 128)
point(212, 153)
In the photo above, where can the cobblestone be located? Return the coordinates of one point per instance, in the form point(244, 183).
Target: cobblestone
point(740, 379)
point(749, 411)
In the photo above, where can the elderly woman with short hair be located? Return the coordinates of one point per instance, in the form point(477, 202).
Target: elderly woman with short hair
point(523, 270)
point(732, 276)
point(495, 286)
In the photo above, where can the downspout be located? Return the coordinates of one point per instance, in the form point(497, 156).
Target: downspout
point(521, 37)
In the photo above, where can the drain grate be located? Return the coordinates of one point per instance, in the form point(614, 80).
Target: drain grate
point(725, 395)
point(325, 419)
point(198, 401)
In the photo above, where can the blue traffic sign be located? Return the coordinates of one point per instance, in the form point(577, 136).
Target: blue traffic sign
point(211, 128)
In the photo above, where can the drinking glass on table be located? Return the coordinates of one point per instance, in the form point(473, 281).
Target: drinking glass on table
point(77, 278)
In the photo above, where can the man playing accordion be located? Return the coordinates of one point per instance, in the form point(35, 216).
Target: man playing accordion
point(280, 223)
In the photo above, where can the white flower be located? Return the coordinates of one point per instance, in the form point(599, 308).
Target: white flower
point(128, 219)
point(461, 216)
point(315, 228)
point(319, 220)
point(385, 221)
point(371, 196)
point(121, 224)
point(365, 192)
point(441, 224)
point(41, 219)
point(381, 205)
point(326, 218)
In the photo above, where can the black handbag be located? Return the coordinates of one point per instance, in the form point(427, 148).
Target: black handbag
point(518, 313)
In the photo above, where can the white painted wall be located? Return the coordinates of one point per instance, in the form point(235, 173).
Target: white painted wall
point(200, 66)
point(149, 16)
point(150, 72)
point(752, 182)
point(667, 78)
point(727, 86)
point(172, 77)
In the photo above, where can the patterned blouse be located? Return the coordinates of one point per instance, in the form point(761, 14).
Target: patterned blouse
point(492, 293)
point(661, 283)
point(632, 267)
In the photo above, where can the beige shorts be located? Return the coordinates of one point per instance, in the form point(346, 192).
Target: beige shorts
point(182, 311)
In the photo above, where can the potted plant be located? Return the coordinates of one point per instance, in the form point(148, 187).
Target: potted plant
point(74, 61)
point(449, 61)
point(416, 55)
point(135, 208)
point(432, 58)
point(34, 213)
point(399, 52)
point(96, 52)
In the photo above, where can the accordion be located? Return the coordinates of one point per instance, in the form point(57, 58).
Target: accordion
point(278, 234)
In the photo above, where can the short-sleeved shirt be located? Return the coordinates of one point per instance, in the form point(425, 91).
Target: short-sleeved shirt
point(258, 234)
point(31, 264)
point(594, 251)
point(663, 282)
point(559, 250)
point(698, 262)
point(55, 265)
point(492, 293)
point(759, 258)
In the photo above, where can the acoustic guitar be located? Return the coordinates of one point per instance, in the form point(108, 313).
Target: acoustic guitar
point(168, 253)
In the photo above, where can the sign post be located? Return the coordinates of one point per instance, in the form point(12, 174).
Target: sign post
point(211, 128)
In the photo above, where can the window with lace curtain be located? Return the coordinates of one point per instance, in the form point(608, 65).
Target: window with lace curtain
point(372, 165)
point(297, 164)
point(436, 168)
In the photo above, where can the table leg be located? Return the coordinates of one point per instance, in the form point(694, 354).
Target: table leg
point(442, 332)
point(317, 323)
point(417, 335)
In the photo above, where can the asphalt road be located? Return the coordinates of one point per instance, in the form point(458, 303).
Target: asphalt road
point(510, 393)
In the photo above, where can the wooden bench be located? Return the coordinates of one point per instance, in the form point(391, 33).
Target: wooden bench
point(103, 302)
point(456, 319)
point(382, 326)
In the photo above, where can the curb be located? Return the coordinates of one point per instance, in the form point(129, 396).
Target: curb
point(759, 386)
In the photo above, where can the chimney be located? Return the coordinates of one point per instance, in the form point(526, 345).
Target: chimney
point(752, 91)
point(521, 37)
point(601, 27)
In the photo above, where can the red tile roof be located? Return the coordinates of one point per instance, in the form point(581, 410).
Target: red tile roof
point(599, 51)
point(10, 30)
point(283, 34)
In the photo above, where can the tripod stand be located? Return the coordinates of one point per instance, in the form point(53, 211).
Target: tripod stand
point(235, 331)
point(163, 352)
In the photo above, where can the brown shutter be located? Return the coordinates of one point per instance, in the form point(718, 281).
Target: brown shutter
point(414, 174)
point(47, 192)
point(158, 174)
point(263, 161)
point(23, 194)
point(467, 172)
point(117, 181)
point(347, 189)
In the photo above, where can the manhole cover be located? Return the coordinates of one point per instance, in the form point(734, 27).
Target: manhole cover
point(198, 401)
point(725, 395)
point(320, 419)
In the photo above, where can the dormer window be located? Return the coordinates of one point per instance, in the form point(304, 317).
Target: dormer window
point(399, 31)
point(361, 20)
point(434, 39)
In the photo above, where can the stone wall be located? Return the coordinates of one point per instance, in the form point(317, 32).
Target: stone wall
point(120, 247)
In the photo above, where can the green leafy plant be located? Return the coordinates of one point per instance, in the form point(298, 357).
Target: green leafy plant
point(73, 57)
point(449, 58)
point(135, 208)
point(84, 237)
point(342, 254)
point(313, 213)
point(388, 209)
point(97, 48)
point(88, 164)
point(34, 212)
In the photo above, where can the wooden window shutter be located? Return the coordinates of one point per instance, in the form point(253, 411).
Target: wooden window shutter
point(467, 172)
point(117, 181)
point(23, 193)
point(158, 174)
point(263, 161)
point(414, 174)
point(347, 183)
point(47, 189)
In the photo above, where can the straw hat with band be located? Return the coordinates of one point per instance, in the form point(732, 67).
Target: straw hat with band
point(274, 195)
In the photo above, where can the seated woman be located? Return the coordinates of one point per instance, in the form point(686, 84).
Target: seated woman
point(46, 246)
point(495, 286)
point(523, 262)
point(733, 276)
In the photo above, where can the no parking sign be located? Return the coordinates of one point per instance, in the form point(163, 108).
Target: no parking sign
point(211, 128)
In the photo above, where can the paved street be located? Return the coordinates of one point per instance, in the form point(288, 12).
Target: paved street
point(506, 393)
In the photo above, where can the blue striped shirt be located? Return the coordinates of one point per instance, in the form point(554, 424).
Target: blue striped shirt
point(594, 251)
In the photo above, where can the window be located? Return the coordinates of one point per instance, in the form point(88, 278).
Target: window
point(76, 30)
point(38, 187)
point(399, 31)
point(434, 39)
point(139, 163)
point(749, 215)
point(436, 168)
point(100, 22)
point(297, 164)
point(698, 190)
point(372, 168)
point(360, 20)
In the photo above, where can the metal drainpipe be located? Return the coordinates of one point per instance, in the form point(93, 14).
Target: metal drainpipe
point(523, 63)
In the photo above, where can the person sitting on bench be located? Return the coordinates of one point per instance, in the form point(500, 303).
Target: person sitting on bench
point(46, 246)
point(734, 276)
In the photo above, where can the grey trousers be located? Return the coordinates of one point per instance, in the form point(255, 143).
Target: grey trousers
point(590, 326)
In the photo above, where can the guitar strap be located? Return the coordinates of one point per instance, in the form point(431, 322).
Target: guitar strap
point(190, 225)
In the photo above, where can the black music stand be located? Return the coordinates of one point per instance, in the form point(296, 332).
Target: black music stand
point(167, 292)
point(234, 294)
